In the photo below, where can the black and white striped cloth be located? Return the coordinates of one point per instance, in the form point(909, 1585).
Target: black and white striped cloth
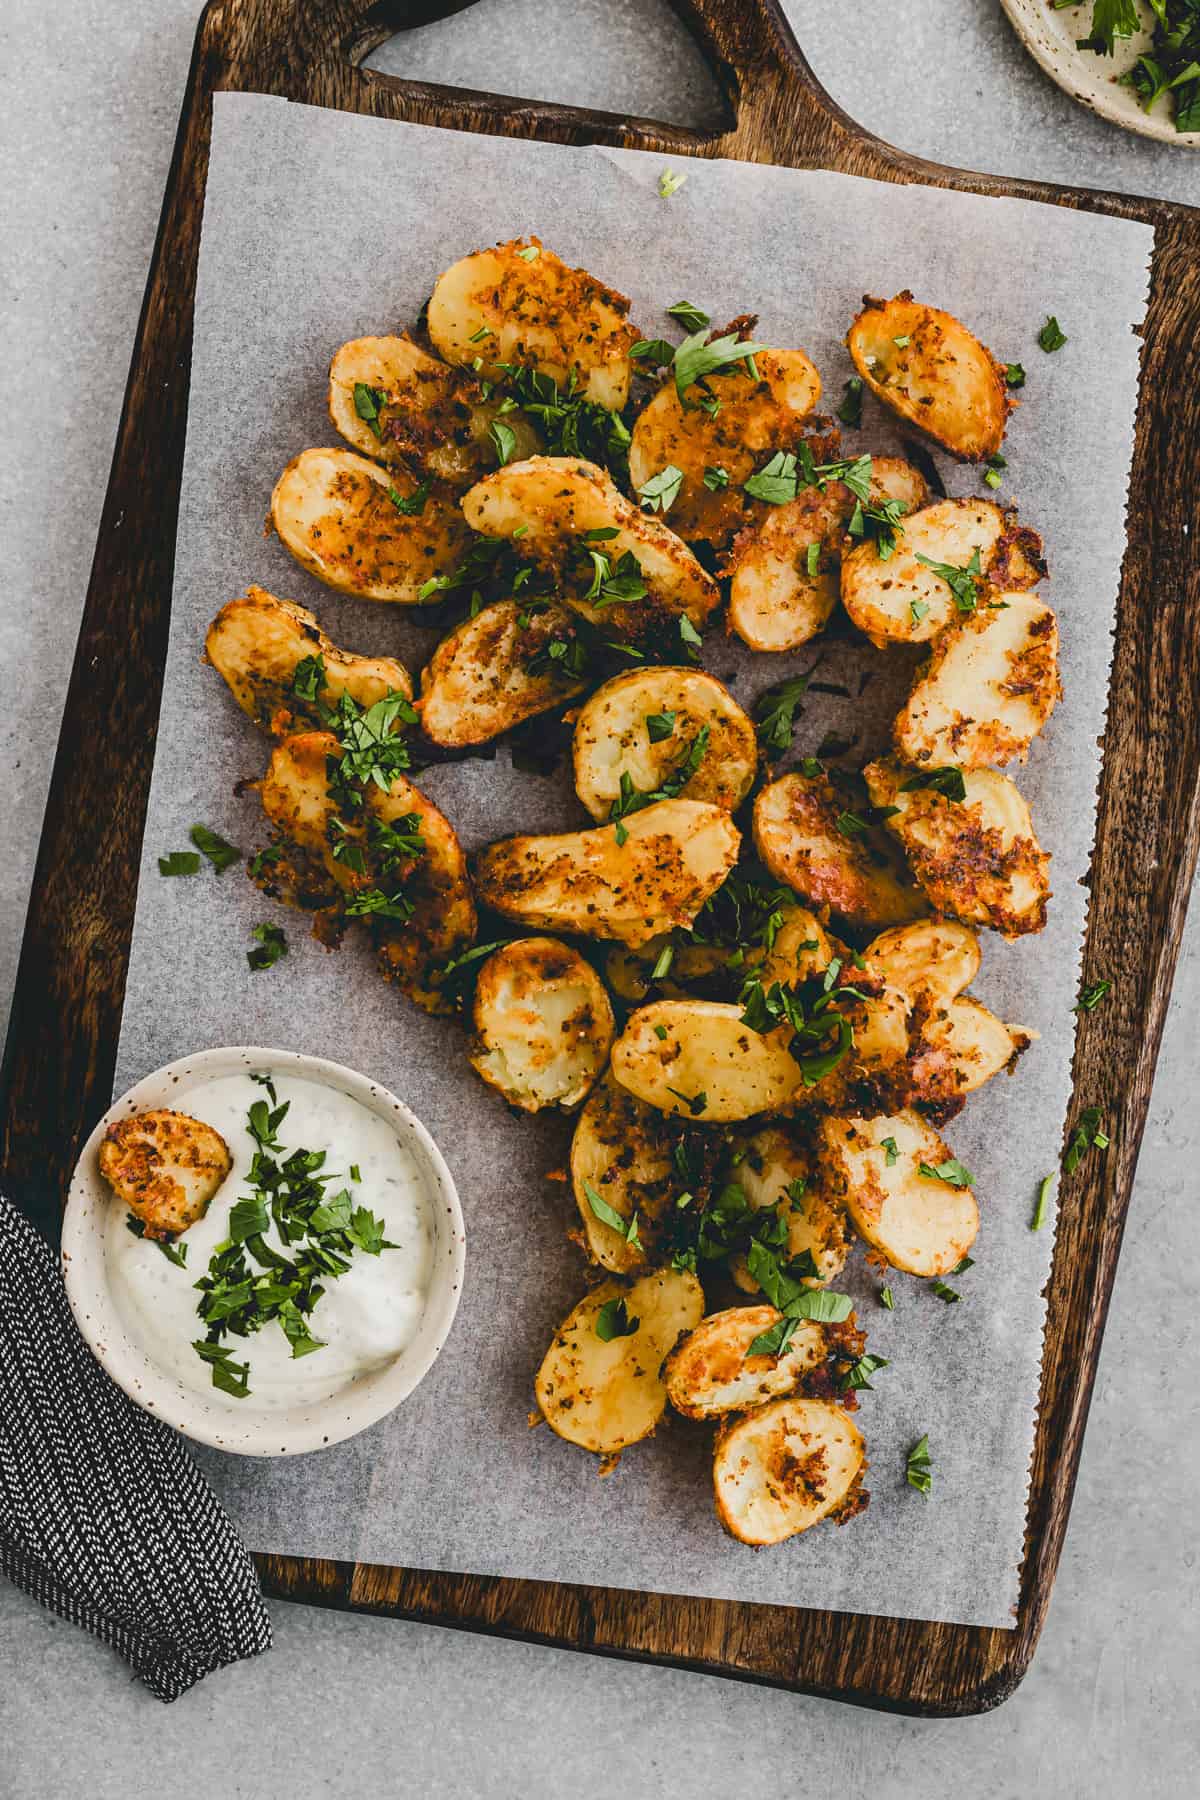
point(104, 1518)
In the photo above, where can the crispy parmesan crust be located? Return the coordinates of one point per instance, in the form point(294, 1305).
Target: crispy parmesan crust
point(925, 365)
point(165, 1167)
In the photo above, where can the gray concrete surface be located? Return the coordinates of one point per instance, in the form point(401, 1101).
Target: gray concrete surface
point(88, 101)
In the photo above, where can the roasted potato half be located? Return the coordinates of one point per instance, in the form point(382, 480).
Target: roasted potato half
point(786, 568)
point(257, 643)
point(755, 418)
point(641, 727)
point(712, 1372)
point(296, 798)
point(551, 503)
point(605, 1394)
point(392, 402)
point(904, 601)
point(492, 672)
point(928, 367)
point(779, 1172)
point(165, 1167)
point(882, 1171)
point(701, 969)
point(809, 837)
point(520, 304)
point(337, 514)
point(930, 959)
point(696, 1059)
point(989, 687)
point(800, 948)
point(623, 1151)
point(675, 854)
point(976, 858)
point(786, 1466)
point(543, 1024)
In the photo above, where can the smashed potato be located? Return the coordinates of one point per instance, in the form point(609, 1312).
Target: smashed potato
point(696, 1059)
point(778, 1171)
point(543, 1024)
point(492, 672)
point(604, 1394)
point(640, 728)
point(520, 304)
point(165, 1167)
point(256, 644)
point(926, 366)
point(809, 837)
point(976, 858)
point(784, 1467)
point(674, 854)
point(903, 601)
point(755, 418)
point(392, 402)
point(551, 503)
point(989, 687)
point(885, 1172)
point(786, 567)
point(338, 515)
point(712, 1372)
point(624, 1152)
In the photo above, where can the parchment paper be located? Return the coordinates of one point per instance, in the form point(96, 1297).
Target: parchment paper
point(319, 227)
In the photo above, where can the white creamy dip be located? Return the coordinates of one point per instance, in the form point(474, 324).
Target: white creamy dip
point(365, 1317)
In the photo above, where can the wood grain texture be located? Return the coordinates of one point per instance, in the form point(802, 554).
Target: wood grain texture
point(62, 1044)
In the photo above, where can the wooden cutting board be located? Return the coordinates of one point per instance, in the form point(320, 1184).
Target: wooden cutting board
point(60, 1055)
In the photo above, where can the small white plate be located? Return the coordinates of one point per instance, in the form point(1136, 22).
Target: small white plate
point(239, 1426)
point(1050, 36)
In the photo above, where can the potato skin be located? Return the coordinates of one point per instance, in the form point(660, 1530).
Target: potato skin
point(165, 1167)
point(543, 1024)
point(537, 312)
point(255, 644)
point(858, 877)
point(922, 1225)
point(676, 853)
point(939, 376)
point(331, 509)
point(605, 1396)
point(756, 418)
point(988, 689)
point(784, 1467)
point(479, 683)
point(880, 596)
point(612, 738)
point(710, 1372)
point(976, 859)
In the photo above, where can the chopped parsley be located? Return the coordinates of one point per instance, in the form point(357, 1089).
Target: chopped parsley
point(630, 800)
point(272, 944)
point(669, 182)
point(716, 478)
point(696, 357)
point(775, 482)
point(608, 1215)
point(918, 610)
point(948, 1294)
point(410, 506)
point(850, 411)
point(1111, 19)
point(504, 440)
point(962, 582)
point(530, 253)
point(775, 712)
point(1091, 995)
point(880, 522)
point(859, 1373)
point(1172, 65)
point(659, 726)
point(221, 855)
point(775, 1340)
point(887, 1299)
point(918, 1468)
point(1087, 1135)
point(179, 862)
point(891, 1154)
point(1014, 375)
point(369, 402)
point(661, 490)
point(1051, 336)
point(613, 1320)
point(821, 1036)
point(948, 781)
point(689, 316)
point(951, 1172)
point(174, 1253)
point(1042, 1202)
point(812, 559)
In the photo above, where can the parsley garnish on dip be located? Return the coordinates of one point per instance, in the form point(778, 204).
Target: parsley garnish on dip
point(310, 1267)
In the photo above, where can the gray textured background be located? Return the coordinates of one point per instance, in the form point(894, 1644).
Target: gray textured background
point(89, 97)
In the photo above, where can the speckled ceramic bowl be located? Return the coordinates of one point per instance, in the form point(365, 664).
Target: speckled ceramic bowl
point(226, 1423)
point(1050, 35)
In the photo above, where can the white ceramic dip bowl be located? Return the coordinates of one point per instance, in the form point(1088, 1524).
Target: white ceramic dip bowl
point(96, 1239)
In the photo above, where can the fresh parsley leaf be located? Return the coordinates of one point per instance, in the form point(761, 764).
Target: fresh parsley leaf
point(1052, 336)
point(1042, 1202)
point(850, 411)
point(530, 253)
point(887, 1299)
point(948, 781)
point(661, 490)
point(775, 712)
point(859, 1373)
point(630, 800)
point(174, 1252)
point(656, 351)
point(1087, 1135)
point(670, 183)
point(812, 560)
point(374, 903)
point(775, 482)
point(892, 1156)
point(232, 1378)
point(1111, 19)
point(695, 358)
point(962, 582)
point(945, 1293)
point(272, 944)
point(689, 316)
point(851, 824)
point(504, 440)
point(951, 1172)
point(918, 1468)
point(688, 634)
point(715, 479)
point(1014, 375)
point(248, 1217)
point(369, 402)
point(221, 855)
point(1091, 995)
point(410, 506)
point(608, 1215)
point(775, 1340)
point(659, 726)
point(918, 610)
point(695, 1103)
point(179, 862)
point(613, 1320)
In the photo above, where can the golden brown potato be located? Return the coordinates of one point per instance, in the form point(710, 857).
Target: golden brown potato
point(336, 513)
point(641, 727)
point(904, 601)
point(884, 1172)
point(977, 858)
point(392, 402)
point(778, 1171)
point(756, 418)
point(605, 1394)
point(520, 304)
point(543, 1024)
point(784, 1467)
point(989, 687)
point(808, 835)
point(799, 949)
point(296, 797)
point(256, 644)
point(493, 671)
point(674, 854)
point(712, 1372)
point(786, 567)
point(707, 1065)
point(693, 969)
point(936, 959)
point(551, 503)
point(165, 1167)
point(928, 368)
point(624, 1152)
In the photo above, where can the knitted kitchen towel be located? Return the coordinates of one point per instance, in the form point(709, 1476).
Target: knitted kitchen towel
point(104, 1518)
